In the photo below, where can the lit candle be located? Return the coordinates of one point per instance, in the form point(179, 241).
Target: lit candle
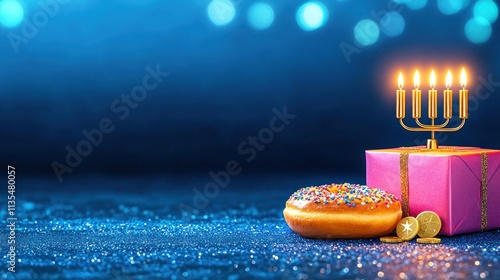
point(416, 97)
point(433, 97)
point(400, 98)
point(464, 96)
point(448, 98)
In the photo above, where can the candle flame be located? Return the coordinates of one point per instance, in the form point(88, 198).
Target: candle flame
point(416, 80)
point(448, 80)
point(400, 80)
point(463, 78)
point(433, 79)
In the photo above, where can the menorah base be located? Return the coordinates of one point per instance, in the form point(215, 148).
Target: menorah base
point(432, 144)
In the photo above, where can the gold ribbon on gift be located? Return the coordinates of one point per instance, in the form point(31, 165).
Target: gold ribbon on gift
point(484, 190)
point(405, 186)
point(403, 173)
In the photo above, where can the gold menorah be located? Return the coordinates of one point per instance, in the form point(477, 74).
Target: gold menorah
point(433, 106)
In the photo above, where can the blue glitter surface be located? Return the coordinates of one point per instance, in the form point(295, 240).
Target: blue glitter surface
point(241, 234)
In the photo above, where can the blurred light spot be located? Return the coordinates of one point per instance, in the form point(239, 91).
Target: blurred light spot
point(415, 4)
point(221, 12)
point(366, 32)
point(28, 205)
point(392, 24)
point(11, 13)
point(478, 30)
point(412, 4)
point(260, 16)
point(312, 15)
point(449, 7)
point(486, 9)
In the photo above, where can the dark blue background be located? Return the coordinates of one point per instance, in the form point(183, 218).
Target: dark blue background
point(223, 84)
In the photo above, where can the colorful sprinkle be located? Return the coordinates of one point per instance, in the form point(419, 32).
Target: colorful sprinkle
point(350, 194)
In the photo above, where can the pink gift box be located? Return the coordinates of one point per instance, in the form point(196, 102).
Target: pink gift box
point(460, 184)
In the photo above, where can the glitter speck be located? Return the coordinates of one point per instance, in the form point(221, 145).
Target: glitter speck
point(380, 274)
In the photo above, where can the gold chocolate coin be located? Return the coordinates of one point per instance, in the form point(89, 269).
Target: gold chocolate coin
point(391, 239)
point(407, 228)
point(429, 240)
point(430, 224)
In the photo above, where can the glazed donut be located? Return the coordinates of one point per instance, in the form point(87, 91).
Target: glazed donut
point(342, 211)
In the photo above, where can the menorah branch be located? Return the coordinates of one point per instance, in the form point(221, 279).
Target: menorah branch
point(432, 126)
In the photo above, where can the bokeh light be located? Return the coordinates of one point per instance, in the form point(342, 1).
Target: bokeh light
point(260, 16)
point(478, 30)
point(415, 4)
point(412, 4)
point(392, 24)
point(312, 15)
point(486, 9)
point(366, 32)
point(11, 13)
point(449, 7)
point(221, 12)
